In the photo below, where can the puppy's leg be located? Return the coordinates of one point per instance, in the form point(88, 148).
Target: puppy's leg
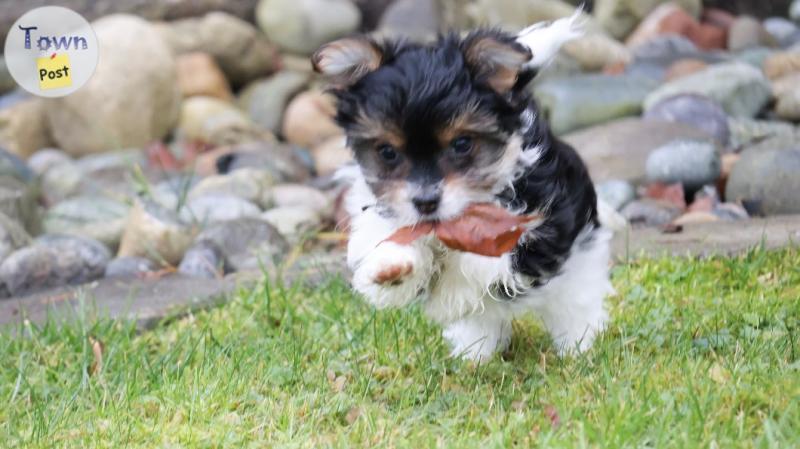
point(478, 336)
point(386, 273)
point(571, 305)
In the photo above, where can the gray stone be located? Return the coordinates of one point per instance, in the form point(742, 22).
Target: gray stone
point(649, 212)
point(768, 180)
point(217, 122)
point(293, 222)
point(12, 236)
point(203, 260)
point(12, 165)
point(619, 149)
point(47, 158)
point(129, 267)
point(620, 17)
point(740, 89)
point(747, 32)
point(581, 101)
point(668, 47)
point(96, 217)
point(61, 181)
point(51, 261)
point(249, 184)
point(745, 132)
point(264, 100)
point(691, 163)
point(246, 243)
point(217, 207)
point(418, 20)
point(282, 195)
point(596, 51)
point(754, 56)
point(784, 31)
point(794, 11)
point(301, 26)
point(19, 201)
point(242, 52)
point(155, 232)
point(7, 83)
point(616, 192)
point(115, 111)
point(693, 110)
point(284, 162)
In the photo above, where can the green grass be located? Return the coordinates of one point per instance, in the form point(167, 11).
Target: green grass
point(699, 354)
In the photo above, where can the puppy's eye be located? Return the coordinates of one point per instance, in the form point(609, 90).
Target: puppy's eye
point(461, 145)
point(388, 153)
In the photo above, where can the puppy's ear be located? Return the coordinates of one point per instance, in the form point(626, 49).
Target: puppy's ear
point(347, 60)
point(495, 59)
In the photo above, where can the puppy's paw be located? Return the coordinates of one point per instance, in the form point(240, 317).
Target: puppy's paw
point(390, 276)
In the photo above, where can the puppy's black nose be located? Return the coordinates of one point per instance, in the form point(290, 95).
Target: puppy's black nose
point(426, 203)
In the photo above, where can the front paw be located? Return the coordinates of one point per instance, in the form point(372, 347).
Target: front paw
point(390, 276)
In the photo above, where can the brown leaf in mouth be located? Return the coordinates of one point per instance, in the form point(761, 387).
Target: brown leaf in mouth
point(485, 229)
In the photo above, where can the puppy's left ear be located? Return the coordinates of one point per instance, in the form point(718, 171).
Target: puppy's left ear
point(495, 59)
point(347, 60)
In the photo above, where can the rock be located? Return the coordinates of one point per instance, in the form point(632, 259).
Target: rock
point(670, 18)
point(561, 66)
point(665, 47)
point(264, 100)
point(727, 162)
point(246, 243)
point(786, 91)
point(172, 192)
point(691, 218)
point(241, 51)
point(331, 155)
point(47, 158)
point(129, 267)
point(691, 163)
point(794, 11)
point(513, 14)
point(156, 233)
point(203, 260)
point(684, 67)
point(740, 89)
point(596, 51)
point(781, 64)
point(216, 122)
point(11, 165)
point(53, 260)
point(619, 149)
point(371, 12)
point(746, 131)
point(217, 207)
point(293, 222)
point(616, 192)
point(418, 20)
point(649, 212)
point(24, 128)
point(620, 17)
point(308, 120)
point(670, 193)
point(581, 101)
point(7, 83)
point(768, 179)
point(754, 56)
point(248, 183)
point(18, 201)
point(747, 32)
point(285, 163)
point(61, 181)
point(12, 236)
point(693, 110)
point(95, 217)
point(288, 195)
point(199, 74)
point(785, 32)
point(301, 26)
point(114, 111)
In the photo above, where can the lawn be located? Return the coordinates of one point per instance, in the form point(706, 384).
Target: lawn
point(699, 354)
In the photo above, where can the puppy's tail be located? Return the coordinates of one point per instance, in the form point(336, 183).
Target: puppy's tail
point(544, 39)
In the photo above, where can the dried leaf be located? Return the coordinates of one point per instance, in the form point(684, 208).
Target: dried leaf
point(352, 415)
point(551, 412)
point(97, 351)
point(671, 193)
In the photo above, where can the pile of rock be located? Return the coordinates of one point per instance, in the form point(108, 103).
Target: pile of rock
point(214, 154)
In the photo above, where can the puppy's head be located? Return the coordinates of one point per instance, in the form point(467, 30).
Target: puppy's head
point(433, 127)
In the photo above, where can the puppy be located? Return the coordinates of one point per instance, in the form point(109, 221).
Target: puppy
point(437, 127)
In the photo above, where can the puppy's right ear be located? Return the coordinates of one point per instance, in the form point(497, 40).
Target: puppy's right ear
point(347, 60)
